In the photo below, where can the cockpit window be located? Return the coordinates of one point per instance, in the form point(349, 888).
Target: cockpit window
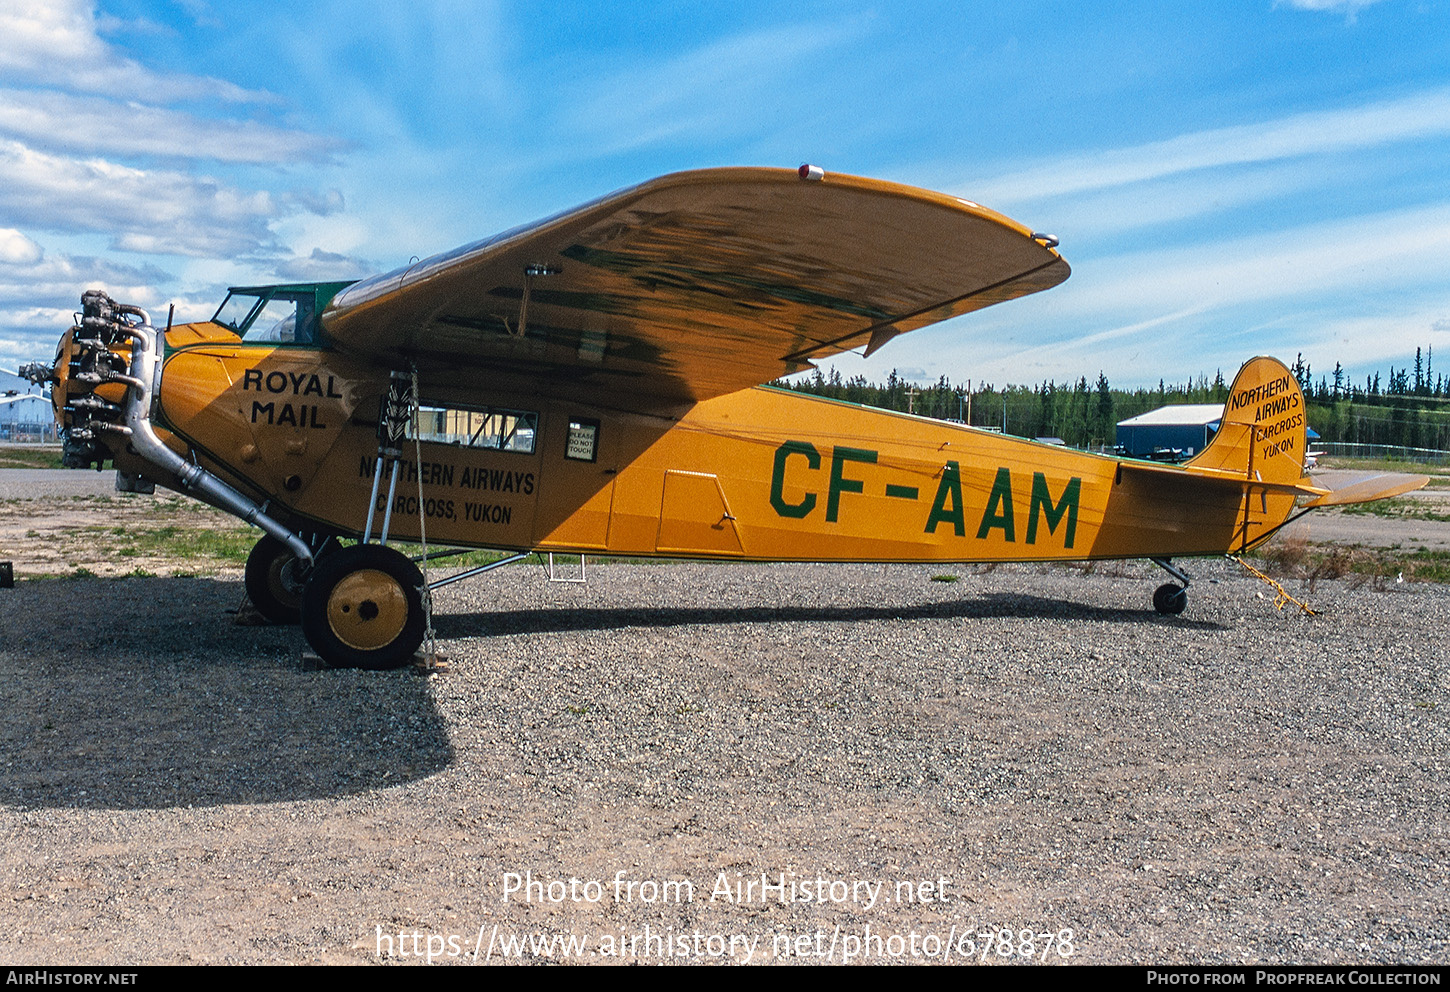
point(276, 321)
point(282, 316)
point(235, 310)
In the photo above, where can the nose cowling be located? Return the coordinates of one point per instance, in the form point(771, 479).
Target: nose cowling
point(89, 379)
point(104, 402)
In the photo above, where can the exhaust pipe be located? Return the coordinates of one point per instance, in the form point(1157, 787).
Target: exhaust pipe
point(86, 418)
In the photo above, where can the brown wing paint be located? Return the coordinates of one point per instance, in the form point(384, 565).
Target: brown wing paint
point(693, 286)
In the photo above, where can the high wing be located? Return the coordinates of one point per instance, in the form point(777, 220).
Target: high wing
point(694, 285)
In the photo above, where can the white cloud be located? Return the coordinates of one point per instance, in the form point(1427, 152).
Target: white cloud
point(1342, 290)
point(1323, 260)
point(62, 121)
point(58, 42)
point(322, 266)
point(32, 330)
point(1216, 303)
point(146, 210)
point(1416, 117)
point(154, 211)
point(79, 131)
point(1178, 200)
point(17, 249)
point(336, 230)
point(1349, 8)
point(1373, 340)
point(39, 298)
point(56, 280)
point(701, 93)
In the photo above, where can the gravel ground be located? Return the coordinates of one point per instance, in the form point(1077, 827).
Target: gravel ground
point(1024, 748)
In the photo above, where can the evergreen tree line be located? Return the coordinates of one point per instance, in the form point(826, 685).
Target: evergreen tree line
point(1408, 407)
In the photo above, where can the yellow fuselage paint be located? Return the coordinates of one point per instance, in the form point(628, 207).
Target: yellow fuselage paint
point(760, 474)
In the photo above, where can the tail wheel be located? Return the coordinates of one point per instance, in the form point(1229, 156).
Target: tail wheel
point(363, 608)
point(1170, 599)
point(274, 581)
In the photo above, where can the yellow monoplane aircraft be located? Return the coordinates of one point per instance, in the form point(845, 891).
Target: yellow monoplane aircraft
point(591, 383)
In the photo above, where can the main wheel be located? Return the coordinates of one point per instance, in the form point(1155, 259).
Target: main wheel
point(363, 608)
point(1170, 599)
point(274, 581)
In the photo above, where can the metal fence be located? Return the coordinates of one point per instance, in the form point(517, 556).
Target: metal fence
point(1429, 456)
point(29, 433)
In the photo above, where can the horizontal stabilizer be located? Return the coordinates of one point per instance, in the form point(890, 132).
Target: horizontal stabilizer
point(1381, 486)
point(1227, 477)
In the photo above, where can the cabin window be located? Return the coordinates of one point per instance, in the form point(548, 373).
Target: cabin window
point(479, 427)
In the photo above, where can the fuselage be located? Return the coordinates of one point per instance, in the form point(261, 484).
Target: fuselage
point(763, 474)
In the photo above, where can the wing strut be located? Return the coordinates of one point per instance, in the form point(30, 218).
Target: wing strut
point(400, 406)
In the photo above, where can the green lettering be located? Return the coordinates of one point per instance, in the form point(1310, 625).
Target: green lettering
point(999, 508)
point(839, 484)
point(777, 479)
point(1042, 501)
point(949, 489)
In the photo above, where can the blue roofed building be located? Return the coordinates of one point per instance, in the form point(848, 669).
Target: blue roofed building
point(1173, 433)
point(1170, 432)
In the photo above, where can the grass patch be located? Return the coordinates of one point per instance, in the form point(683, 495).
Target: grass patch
point(1386, 465)
point(228, 545)
point(469, 559)
point(1396, 510)
point(1423, 565)
point(15, 456)
point(944, 578)
point(1382, 567)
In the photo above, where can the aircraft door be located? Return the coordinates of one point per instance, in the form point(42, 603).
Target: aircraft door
point(576, 493)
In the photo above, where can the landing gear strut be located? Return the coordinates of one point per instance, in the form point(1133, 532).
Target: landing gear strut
point(1170, 599)
point(363, 607)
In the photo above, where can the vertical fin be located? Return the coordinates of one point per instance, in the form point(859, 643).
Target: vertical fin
point(1263, 431)
point(1262, 439)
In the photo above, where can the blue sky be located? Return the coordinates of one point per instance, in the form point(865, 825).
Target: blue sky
point(1231, 179)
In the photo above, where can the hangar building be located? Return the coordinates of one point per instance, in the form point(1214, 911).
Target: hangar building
point(1184, 427)
point(25, 416)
